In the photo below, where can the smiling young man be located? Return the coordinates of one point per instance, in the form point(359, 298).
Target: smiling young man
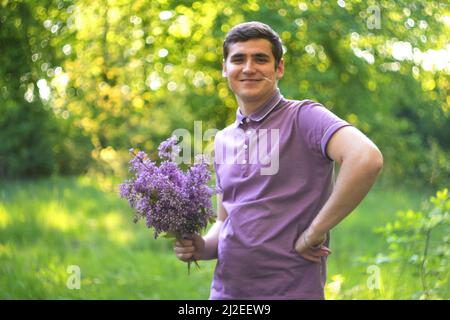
point(271, 238)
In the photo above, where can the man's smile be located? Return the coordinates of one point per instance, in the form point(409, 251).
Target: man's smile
point(251, 80)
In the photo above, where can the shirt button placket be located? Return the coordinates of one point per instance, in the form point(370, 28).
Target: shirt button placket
point(246, 166)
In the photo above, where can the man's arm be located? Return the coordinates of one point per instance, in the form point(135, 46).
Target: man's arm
point(360, 162)
point(212, 237)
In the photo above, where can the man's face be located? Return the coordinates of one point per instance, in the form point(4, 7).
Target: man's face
point(250, 69)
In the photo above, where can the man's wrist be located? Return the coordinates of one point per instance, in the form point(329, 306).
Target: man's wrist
point(209, 251)
point(314, 247)
point(314, 238)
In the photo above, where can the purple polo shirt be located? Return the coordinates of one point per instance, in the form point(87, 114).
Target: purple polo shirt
point(275, 176)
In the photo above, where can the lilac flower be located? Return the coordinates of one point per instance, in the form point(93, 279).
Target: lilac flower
point(169, 200)
point(168, 149)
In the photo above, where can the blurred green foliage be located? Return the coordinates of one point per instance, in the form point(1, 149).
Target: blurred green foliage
point(421, 241)
point(83, 81)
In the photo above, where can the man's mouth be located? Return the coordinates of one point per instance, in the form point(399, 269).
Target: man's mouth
point(250, 80)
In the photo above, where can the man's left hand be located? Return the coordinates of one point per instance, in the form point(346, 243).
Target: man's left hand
point(312, 248)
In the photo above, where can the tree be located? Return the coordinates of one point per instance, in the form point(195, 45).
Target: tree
point(130, 72)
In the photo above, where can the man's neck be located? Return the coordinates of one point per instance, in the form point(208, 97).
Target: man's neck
point(249, 107)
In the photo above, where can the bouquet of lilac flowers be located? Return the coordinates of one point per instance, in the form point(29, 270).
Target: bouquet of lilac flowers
point(172, 202)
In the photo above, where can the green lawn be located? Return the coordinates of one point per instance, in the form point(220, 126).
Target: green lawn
point(355, 245)
point(48, 225)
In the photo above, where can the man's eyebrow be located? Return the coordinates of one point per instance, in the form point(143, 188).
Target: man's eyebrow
point(238, 55)
point(255, 55)
point(261, 55)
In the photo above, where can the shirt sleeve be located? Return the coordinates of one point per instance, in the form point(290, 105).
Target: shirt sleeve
point(317, 125)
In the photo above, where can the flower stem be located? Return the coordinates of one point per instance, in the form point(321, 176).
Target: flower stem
point(189, 265)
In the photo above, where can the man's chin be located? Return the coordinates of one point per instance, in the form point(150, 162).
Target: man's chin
point(249, 92)
point(251, 96)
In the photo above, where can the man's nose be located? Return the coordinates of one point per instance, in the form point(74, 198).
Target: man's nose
point(248, 67)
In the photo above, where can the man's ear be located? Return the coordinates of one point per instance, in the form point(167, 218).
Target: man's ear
point(280, 69)
point(224, 69)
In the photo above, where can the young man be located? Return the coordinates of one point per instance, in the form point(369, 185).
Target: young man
point(271, 237)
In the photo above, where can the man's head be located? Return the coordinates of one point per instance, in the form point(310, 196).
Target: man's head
point(252, 62)
point(254, 30)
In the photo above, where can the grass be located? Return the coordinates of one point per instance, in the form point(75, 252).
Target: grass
point(48, 225)
point(355, 245)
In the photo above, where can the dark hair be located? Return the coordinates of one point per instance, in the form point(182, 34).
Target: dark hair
point(254, 30)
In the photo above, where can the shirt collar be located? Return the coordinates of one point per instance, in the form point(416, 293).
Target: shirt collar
point(262, 111)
